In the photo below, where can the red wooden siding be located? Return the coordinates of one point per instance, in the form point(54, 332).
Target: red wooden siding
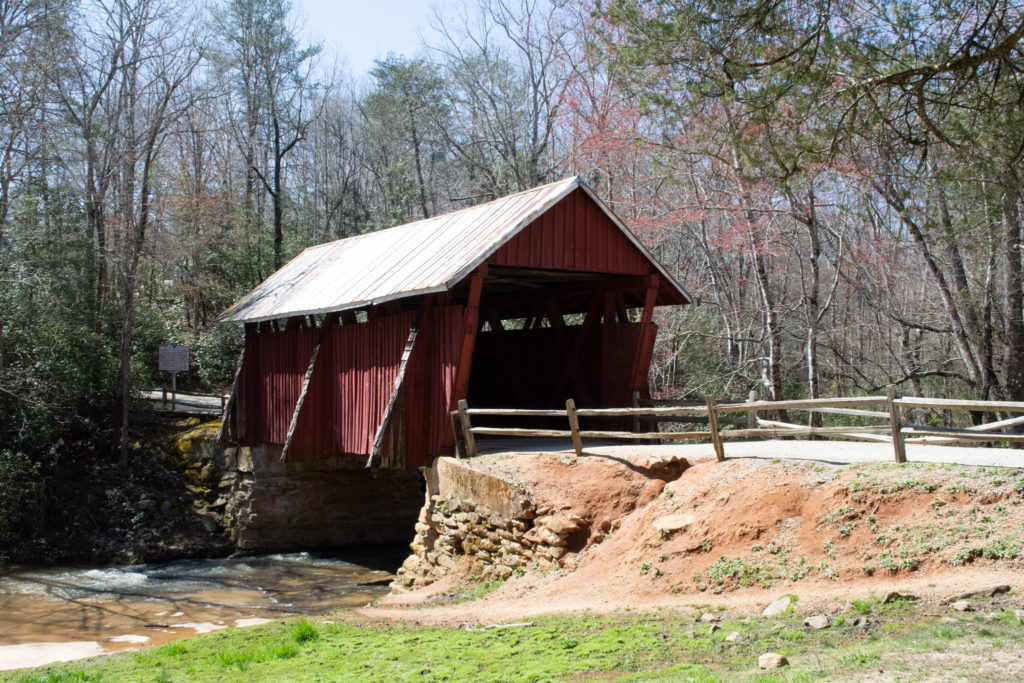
point(351, 385)
point(349, 390)
point(574, 234)
point(429, 382)
point(270, 382)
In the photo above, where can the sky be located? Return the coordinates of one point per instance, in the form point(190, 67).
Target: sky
point(359, 31)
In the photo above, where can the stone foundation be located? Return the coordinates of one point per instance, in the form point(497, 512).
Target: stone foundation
point(491, 519)
point(269, 505)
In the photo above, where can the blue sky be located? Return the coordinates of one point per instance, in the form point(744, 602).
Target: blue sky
point(360, 31)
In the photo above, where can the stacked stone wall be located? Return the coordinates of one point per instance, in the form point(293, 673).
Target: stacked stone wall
point(499, 538)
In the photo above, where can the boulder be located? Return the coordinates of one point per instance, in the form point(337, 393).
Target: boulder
point(817, 622)
point(561, 525)
point(771, 660)
point(777, 607)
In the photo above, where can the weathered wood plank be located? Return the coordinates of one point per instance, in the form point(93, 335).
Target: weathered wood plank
point(898, 446)
point(803, 404)
point(790, 431)
point(518, 431)
point(574, 425)
point(467, 429)
point(962, 434)
point(302, 398)
point(853, 411)
point(629, 412)
point(645, 436)
point(716, 436)
point(520, 412)
point(955, 404)
point(460, 441)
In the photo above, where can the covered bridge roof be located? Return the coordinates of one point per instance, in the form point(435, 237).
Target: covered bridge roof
point(423, 257)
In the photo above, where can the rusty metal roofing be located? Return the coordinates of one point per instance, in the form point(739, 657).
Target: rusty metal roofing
point(423, 257)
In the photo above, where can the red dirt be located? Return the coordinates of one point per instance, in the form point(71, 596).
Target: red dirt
point(745, 532)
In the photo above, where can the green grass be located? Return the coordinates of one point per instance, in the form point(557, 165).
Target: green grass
point(624, 646)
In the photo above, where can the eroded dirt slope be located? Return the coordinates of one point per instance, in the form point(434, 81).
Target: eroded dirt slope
point(745, 531)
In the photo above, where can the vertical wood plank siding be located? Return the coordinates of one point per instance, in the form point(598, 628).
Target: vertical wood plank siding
point(430, 381)
point(350, 387)
point(573, 235)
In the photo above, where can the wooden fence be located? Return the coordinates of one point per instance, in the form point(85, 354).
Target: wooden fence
point(182, 403)
point(890, 411)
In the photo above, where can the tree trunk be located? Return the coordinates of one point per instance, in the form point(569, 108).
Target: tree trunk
point(1013, 364)
point(276, 197)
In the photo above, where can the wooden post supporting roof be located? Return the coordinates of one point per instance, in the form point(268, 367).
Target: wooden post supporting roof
point(470, 326)
point(646, 332)
point(572, 370)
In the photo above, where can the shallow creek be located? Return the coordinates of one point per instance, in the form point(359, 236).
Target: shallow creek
point(60, 614)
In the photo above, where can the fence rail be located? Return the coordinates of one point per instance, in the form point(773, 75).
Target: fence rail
point(186, 402)
point(715, 415)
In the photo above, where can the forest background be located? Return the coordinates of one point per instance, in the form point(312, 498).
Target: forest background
point(838, 184)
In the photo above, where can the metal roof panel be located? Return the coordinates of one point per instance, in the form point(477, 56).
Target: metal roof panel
point(428, 255)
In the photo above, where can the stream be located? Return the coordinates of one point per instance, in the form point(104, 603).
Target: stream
point(60, 614)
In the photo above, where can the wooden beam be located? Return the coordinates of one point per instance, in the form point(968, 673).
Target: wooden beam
point(574, 426)
point(571, 371)
point(639, 371)
point(954, 404)
point(752, 414)
point(306, 381)
point(620, 284)
point(963, 434)
point(470, 327)
point(396, 388)
point(467, 429)
point(898, 446)
point(620, 307)
point(515, 431)
point(608, 312)
point(716, 437)
point(513, 375)
point(803, 404)
point(460, 441)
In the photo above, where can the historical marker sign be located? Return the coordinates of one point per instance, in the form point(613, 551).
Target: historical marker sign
point(173, 358)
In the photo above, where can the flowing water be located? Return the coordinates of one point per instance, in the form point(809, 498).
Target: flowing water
point(49, 615)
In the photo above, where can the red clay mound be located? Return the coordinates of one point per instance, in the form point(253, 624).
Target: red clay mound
point(746, 531)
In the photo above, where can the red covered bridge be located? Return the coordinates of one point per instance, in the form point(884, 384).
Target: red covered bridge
point(363, 345)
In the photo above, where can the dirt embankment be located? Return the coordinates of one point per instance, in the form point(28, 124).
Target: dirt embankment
point(743, 532)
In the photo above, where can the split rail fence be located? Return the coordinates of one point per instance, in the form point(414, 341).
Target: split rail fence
point(186, 402)
point(890, 410)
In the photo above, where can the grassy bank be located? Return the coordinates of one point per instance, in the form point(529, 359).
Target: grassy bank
point(901, 640)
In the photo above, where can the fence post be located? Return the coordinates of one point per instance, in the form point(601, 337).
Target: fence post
point(752, 414)
point(716, 437)
point(898, 446)
point(460, 441)
point(636, 418)
point(467, 434)
point(574, 425)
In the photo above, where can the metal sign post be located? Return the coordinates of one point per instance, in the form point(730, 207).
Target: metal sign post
point(173, 359)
